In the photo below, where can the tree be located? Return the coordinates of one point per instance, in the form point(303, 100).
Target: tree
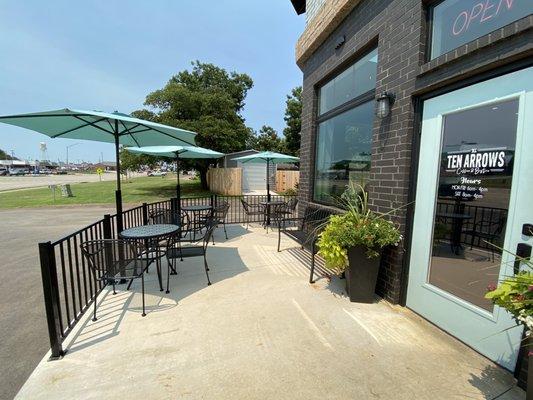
point(293, 119)
point(268, 140)
point(133, 162)
point(5, 156)
point(207, 100)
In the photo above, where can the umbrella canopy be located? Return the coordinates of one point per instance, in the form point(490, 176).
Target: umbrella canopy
point(117, 128)
point(101, 127)
point(268, 157)
point(177, 152)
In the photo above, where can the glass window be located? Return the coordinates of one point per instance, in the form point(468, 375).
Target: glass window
point(352, 82)
point(456, 22)
point(343, 150)
point(473, 200)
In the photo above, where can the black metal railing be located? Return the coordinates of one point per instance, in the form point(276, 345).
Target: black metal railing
point(70, 288)
point(492, 218)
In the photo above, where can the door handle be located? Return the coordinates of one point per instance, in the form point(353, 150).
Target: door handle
point(523, 250)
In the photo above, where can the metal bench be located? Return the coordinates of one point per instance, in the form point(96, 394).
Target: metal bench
point(306, 230)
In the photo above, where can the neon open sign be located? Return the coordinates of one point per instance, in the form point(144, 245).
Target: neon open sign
point(456, 22)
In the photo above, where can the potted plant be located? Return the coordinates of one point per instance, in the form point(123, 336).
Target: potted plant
point(515, 294)
point(353, 243)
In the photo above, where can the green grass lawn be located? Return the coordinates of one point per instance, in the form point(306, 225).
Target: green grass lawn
point(136, 190)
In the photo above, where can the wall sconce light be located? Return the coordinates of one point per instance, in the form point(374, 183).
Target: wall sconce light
point(384, 102)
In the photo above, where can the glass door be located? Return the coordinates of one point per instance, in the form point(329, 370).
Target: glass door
point(473, 197)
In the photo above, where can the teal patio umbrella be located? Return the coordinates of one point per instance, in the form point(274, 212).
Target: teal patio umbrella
point(177, 152)
point(117, 128)
point(268, 157)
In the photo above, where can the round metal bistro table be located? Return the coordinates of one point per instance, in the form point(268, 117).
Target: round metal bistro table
point(151, 235)
point(268, 205)
point(196, 211)
point(457, 228)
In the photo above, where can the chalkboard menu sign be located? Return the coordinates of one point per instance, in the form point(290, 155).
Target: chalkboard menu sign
point(456, 22)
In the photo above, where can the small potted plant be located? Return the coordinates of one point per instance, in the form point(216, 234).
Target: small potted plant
point(353, 243)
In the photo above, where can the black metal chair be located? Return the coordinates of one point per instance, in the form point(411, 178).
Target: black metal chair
point(306, 231)
point(220, 212)
point(487, 230)
point(252, 210)
point(176, 249)
point(163, 216)
point(289, 208)
point(157, 249)
point(112, 260)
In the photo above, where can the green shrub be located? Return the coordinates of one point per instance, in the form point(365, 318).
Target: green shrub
point(358, 226)
point(515, 294)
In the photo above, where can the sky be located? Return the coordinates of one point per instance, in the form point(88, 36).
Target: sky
point(108, 55)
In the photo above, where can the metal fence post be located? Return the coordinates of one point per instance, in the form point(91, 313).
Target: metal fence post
point(108, 254)
point(107, 227)
point(51, 298)
point(216, 199)
point(174, 205)
point(212, 201)
point(145, 213)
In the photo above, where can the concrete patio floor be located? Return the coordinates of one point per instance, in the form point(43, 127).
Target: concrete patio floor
point(260, 331)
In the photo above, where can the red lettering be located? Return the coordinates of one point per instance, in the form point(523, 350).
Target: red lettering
point(454, 30)
point(474, 14)
point(486, 8)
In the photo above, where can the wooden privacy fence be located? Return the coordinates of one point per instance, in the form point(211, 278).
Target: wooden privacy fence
point(225, 181)
point(287, 180)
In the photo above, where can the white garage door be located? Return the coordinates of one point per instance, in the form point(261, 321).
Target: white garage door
point(253, 176)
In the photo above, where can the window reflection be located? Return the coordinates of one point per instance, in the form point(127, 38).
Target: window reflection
point(473, 199)
point(353, 82)
point(343, 152)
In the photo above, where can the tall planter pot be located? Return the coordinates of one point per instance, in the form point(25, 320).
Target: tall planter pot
point(529, 350)
point(361, 275)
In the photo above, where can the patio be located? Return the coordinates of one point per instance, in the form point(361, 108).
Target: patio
point(260, 331)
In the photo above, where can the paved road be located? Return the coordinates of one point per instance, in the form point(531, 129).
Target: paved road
point(23, 331)
point(33, 181)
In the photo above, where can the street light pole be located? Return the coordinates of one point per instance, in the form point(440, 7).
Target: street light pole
point(68, 147)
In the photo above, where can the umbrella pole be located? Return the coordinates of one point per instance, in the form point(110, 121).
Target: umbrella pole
point(118, 192)
point(268, 194)
point(178, 186)
point(268, 180)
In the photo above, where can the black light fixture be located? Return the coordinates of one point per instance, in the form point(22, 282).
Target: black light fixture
point(339, 42)
point(384, 101)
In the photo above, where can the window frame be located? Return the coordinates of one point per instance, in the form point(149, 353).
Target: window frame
point(340, 109)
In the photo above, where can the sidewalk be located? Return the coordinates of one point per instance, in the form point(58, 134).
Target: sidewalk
point(260, 331)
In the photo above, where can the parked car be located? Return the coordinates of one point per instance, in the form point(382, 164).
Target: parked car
point(3, 171)
point(18, 171)
point(156, 173)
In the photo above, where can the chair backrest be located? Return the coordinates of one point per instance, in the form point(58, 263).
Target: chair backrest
point(210, 225)
point(221, 211)
point(245, 205)
point(315, 218)
point(113, 258)
point(162, 216)
point(492, 226)
point(292, 203)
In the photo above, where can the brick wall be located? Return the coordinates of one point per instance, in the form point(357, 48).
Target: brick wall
point(311, 8)
point(325, 19)
point(395, 26)
point(398, 28)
